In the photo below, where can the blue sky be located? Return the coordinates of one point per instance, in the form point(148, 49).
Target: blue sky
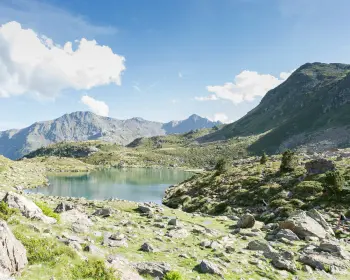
point(216, 58)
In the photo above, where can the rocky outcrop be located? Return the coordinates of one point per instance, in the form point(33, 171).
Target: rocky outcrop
point(27, 207)
point(246, 221)
point(305, 224)
point(13, 255)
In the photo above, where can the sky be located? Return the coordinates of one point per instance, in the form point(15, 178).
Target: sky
point(160, 60)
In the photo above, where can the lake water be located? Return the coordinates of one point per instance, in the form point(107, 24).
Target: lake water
point(134, 184)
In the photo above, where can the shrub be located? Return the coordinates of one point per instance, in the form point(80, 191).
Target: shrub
point(93, 269)
point(47, 210)
point(43, 250)
point(308, 188)
point(173, 275)
point(222, 166)
point(263, 158)
point(6, 212)
point(289, 161)
point(335, 180)
point(278, 203)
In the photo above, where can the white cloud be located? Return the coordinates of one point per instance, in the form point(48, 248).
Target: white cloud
point(96, 106)
point(246, 87)
point(180, 75)
point(34, 64)
point(206, 98)
point(222, 117)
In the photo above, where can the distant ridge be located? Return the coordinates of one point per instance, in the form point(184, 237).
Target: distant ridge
point(82, 126)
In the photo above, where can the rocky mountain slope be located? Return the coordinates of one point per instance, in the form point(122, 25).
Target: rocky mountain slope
point(81, 126)
point(311, 108)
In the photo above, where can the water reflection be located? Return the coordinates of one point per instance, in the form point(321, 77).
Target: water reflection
point(135, 184)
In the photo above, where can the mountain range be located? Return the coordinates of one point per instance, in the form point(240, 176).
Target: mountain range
point(311, 109)
point(81, 126)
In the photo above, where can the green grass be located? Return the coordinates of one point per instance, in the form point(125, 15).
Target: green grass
point(173, 275)
point(6, 212)
point(47, 210)
point(93, 269)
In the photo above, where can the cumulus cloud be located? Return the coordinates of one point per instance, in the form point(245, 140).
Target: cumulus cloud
point(246, 87)
point(96, 106)
point(222, 117)
point(34, 64)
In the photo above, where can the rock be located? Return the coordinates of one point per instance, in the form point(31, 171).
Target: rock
point(154, 269)
point(287, 234)
point(27, 207)
point(174, 222)
point(260, 245)
point(147, 247)
point(319, 166)
point(94, 250)
point(103, 212)
point(334, 248)
point(307, 269)
point(123, 268)
point(117, 236)
point(282, 260)
point(209, 267)
point(323, 261)
point(311, 238)
point(145, 209)
point(79, 220)
point(178, 233)
point(13, 255)
point(246, 221)
point(303, 225)
point(63, 206)
point(319, 218)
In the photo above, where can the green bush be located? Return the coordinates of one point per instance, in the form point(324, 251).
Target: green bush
point(47, 210)
point(93, 269)
point(335, 180)
point(173, 275)
point(278, 203)
point(308, 188)
point(289, 161)
point(43, 250)
point(6, 212)
point(263, 158)
point(222, 166)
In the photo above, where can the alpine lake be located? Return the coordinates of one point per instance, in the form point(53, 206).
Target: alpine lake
point(133, 184)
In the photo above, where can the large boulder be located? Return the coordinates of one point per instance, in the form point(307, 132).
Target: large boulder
point(79, 221)
point(63, 206)
point(305, 224)
point(13, 255)
point(27, 207)
point(208, 267)
point(123, 268)
point(154, 269)
point(319, 166)
point(246, 221)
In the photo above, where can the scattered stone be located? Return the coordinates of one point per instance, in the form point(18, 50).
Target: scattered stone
point(63, 206)
point(178, 233)
point(147, 247)
point(154, 269)
point(260, 245)
point(117, 236)
point(93, 249)
point(246, 221)
point(124, 269)
point(145, 209)
point(13, 255)
point(209, 267)
point(174, 222)
point(287, 234)
point(103, 212)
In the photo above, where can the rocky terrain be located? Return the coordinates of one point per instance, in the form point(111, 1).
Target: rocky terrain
point(82, 126)
point(243, 220)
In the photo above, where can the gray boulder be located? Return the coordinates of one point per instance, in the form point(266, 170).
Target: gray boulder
point(287, 234)
point(27, 207)
point(303, 224)
point(123, 268)
point(208, 267)
point(246, 221)
point(63, 206)
point(147, 247)
point(13, 255)
point(260, 245)
point(154, 269)
point(103, 212)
